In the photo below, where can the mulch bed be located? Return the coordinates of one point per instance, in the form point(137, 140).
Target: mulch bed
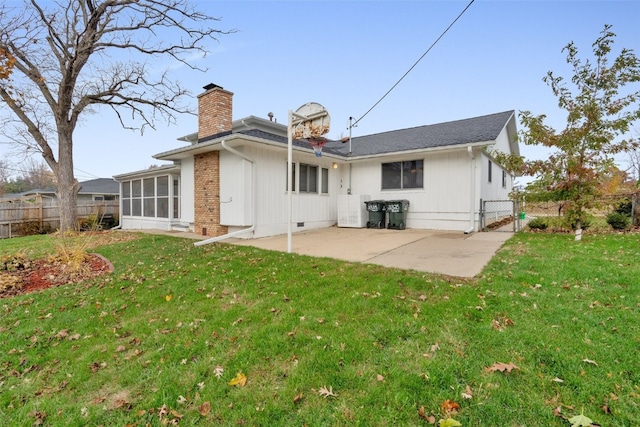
point(42, 274)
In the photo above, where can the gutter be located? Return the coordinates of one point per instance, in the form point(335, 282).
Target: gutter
point(472, 196)
point(253, 202)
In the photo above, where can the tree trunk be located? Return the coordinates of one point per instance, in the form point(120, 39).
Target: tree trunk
point(578, 230)
point(68, 186)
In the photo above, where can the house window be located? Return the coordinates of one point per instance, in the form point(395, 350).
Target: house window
point(176, 197)
point(149, 197)
point(149, 202)
point(136, 197)
point(504, 179)
point(162, 199)
point(325, 181)
point(403, 175)
point(308, 178)
point(489, 170)
point(126, 198)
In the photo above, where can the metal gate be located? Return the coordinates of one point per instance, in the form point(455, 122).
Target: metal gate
point(500, 215)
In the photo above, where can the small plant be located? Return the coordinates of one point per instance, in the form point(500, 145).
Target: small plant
point(90, 223)
point(538, 224)
point(14, 262)
point(9, 283)
point(618, 220)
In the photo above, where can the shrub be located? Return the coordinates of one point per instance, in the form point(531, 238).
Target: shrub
point(571, 222)
point(618, 221)
point(538, 224)
point(624, 208)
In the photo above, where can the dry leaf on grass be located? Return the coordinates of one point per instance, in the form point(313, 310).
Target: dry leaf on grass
point(239, 380)
point(467, 394)
point(449, 408)
point(218, 371)
point(204, 409)
point(423, 414)
point(326, 392)
point(502, 367)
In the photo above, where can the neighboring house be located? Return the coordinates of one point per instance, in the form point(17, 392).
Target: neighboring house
point(232, 176)
point(99, 189)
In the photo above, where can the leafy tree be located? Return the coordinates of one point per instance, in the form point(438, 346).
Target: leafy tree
point(70, 58)
point(601, 102)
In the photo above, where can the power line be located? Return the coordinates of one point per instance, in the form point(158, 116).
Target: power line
point(414, 65)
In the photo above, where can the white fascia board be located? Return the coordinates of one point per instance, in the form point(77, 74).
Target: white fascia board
point(215, 145)
point(173, 168)
point(424, 150)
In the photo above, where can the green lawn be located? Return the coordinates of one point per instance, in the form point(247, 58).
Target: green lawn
point(324, 342)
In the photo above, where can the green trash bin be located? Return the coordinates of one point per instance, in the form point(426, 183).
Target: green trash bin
point(397, 210)
point(376, 209)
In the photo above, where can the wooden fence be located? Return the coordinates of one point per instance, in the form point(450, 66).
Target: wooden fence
point(21, 217)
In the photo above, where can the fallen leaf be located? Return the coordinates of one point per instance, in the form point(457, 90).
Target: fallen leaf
point(449, 407)
point(204, 409)
point(168, 297)
point(423, 414)
point(592, 362)
point(240, 380)
point(467, 394)
point(326, 392)
point(218, 371)
point(557, 380)
point(502, 367)
point(580, 421)
point(380, 377)
point(449, 422)
point(298, 398)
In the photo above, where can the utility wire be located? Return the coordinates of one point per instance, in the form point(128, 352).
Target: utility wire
point(414, 65)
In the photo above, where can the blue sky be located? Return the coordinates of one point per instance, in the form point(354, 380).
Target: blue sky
point(347, 54)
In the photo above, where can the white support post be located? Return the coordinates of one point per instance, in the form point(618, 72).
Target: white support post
point(289, 180)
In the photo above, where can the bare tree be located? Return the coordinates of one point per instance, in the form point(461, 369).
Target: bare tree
point(72, 57)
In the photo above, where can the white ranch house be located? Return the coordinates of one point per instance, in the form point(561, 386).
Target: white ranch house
point(232, 176)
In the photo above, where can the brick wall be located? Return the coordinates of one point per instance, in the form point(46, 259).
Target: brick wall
point(214, 117)
point(214, 112)
point(207, 195)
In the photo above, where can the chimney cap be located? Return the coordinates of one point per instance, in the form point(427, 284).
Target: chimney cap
point(211, 86)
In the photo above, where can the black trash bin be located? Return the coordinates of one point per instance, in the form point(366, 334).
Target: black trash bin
point(376, 209)
point(397, 210)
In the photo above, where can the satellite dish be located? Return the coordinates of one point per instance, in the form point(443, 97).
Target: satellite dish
point(312, 121)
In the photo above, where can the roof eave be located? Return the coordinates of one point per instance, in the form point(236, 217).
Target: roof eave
point(424, 150)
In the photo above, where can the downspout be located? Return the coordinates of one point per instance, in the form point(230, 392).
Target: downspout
point(253, 201)
point(472, 191)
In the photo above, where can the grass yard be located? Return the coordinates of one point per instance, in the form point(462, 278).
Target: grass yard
point(232, 335)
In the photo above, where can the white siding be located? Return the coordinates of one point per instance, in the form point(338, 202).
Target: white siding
point(445, 201)
point(309, 210)
point(187, 191)
point(236, 190)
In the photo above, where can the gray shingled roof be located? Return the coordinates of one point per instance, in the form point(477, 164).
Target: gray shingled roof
point(100, 186)
point(458, 132)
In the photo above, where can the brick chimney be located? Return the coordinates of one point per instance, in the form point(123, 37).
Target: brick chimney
point(214, 118)
point(215, 108)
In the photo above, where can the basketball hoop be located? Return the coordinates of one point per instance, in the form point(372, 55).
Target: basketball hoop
point(314, 123)
point(317, 144)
